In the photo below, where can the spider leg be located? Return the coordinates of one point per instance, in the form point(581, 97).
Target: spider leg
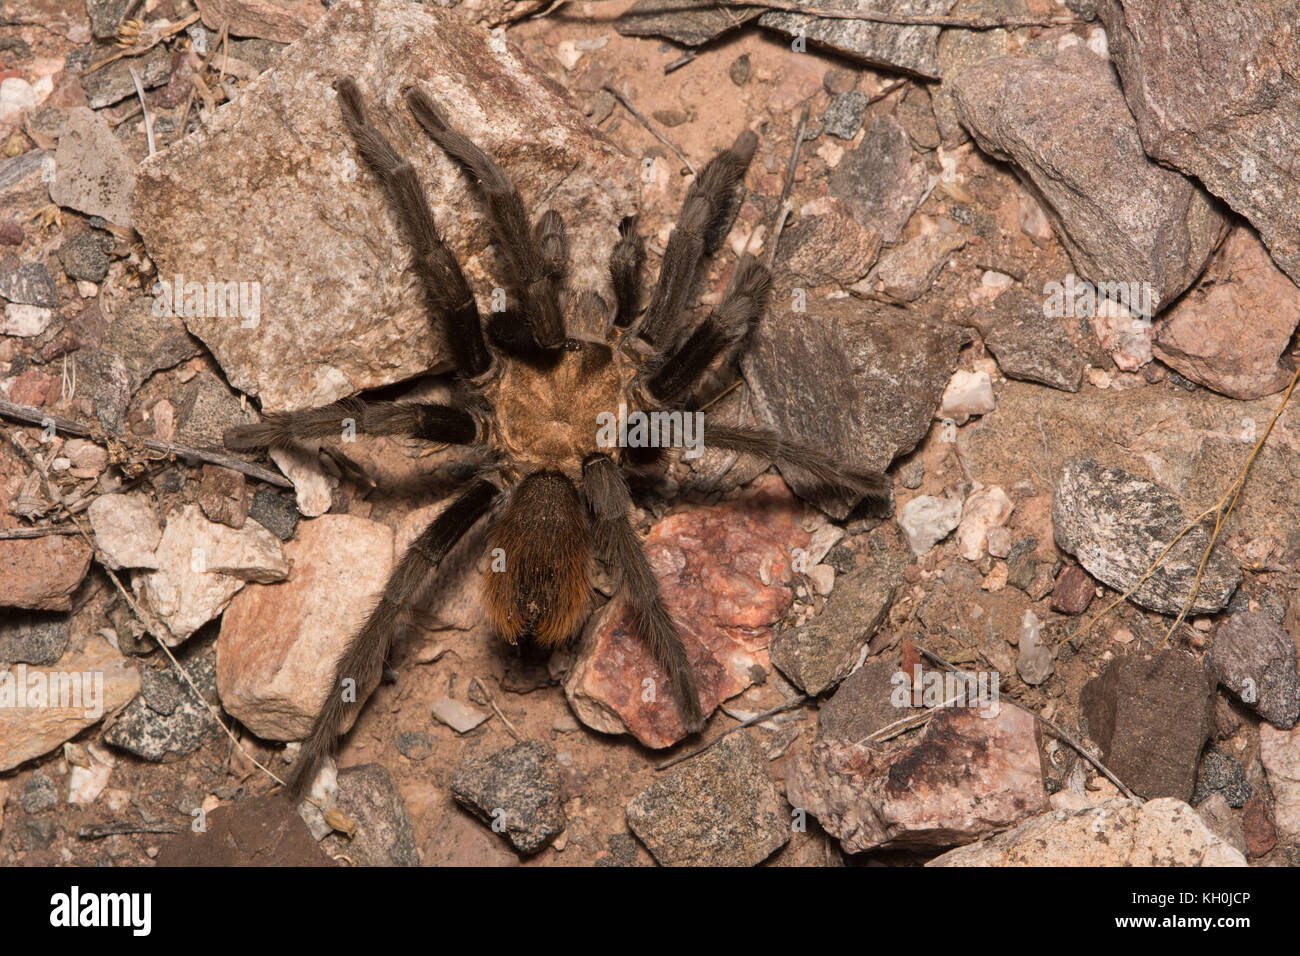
point(711, 201)
point(530, 266)
point(362, 664)
point(446, 293)
point(625, 271)
point(770, 445)
point(673, 374)
point(427, 421)
point(608, 498)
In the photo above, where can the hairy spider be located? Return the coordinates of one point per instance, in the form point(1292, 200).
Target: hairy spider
point(533, 383)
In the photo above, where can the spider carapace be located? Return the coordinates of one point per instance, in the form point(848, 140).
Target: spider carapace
point(531, 384)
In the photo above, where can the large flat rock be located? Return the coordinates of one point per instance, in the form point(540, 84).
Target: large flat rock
point(271, 192)
point(1064, 124)
point(1215, 90)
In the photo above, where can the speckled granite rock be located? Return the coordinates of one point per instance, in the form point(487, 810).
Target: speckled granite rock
point(1116, 524)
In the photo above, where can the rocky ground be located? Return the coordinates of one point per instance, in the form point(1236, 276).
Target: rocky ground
point(1042, 270)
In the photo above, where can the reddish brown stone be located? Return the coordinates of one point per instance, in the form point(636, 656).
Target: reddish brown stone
point(1073, 592)
point(711, 564)
point(1260, 835)
point(42, 573)
point(32, 387)
point(11, 234)
point(222, 496)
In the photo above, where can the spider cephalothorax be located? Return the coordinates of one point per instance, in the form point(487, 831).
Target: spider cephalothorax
point(538, 377)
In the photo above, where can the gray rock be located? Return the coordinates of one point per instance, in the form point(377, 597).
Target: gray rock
point(284, 203)
point(83, 257)
point(719, 809)
point(1214, 91)
point(1117, 524)
point(1150, 713)
point(146, 342)
point(384, 836)
point(820, 653)
point(833, 247)
point(843, 116)
point(861, 705)
point(1087, 9)
point(207, 408)
point(908, 271)
point(414, 745)
point(276, 512)
point(1221, 774)
point(33, 637)
point(1030, 346)
point(800, 366)
point(167, 719)
point(28, 283)
point(112, 84)
point(1122, 218)
point(959, 49)
point(93, 172)
point(682, 21)
point(39, 794)
point(105, 15)
point(105, 379)
point(916, 113)
point(882, 181)
point(516, 791)
point(909, 49)
point(1255, 658)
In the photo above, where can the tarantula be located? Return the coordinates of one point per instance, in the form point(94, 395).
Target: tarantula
point(533, 382)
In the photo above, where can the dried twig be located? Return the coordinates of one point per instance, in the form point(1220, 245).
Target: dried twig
point(514, 731)
point(97, 831)
point(143, 47)
point(680, 62)
point(1229, 498)
point(12, 534)
point(883, 16)
point(1226, 505)
point(756, 719)
point(627, 105)
point(784, 206)
point(38, 417)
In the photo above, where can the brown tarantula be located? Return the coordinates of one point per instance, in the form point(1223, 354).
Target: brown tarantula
point(534, 383)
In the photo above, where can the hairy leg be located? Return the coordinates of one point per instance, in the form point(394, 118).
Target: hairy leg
point(774, 447)
point(608, 498)
point(710, 202)
point(362, 664)
point(447, 295)
point(529, 264)
point(427, 421)
point(625, 263)
point(672, 376)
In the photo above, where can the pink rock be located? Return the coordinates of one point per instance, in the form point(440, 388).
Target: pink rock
point(1228, 333)
point(968, 775)
point(279, 643)
point(711, 564)
point(42, 573)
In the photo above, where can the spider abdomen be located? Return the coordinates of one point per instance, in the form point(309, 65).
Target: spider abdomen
point(537, 583)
